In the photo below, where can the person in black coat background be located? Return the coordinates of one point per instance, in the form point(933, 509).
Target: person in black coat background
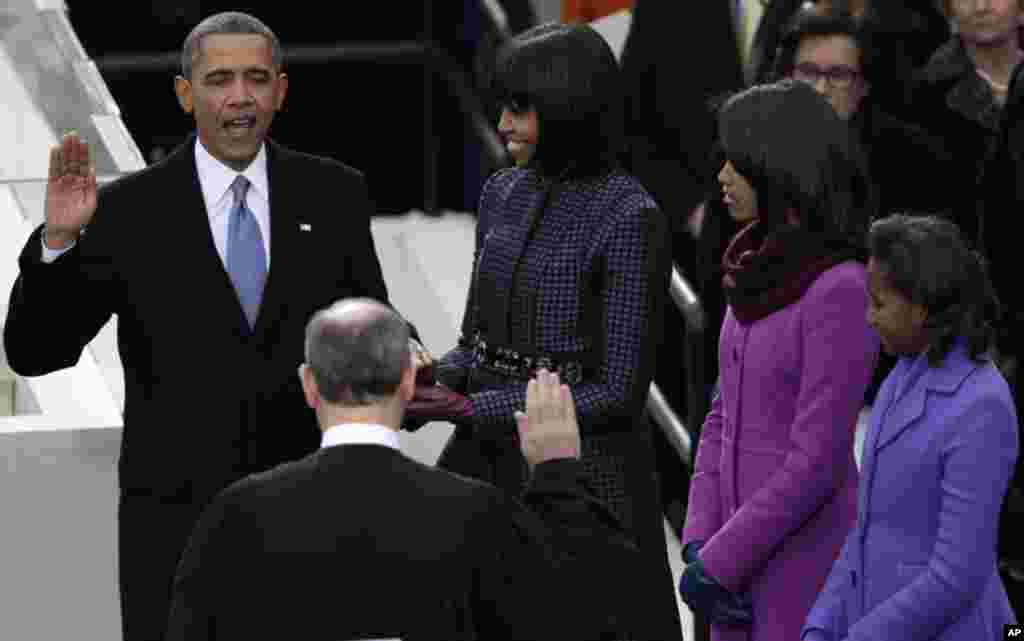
point(1002, 191)
point(839, 55)
point(959, 94)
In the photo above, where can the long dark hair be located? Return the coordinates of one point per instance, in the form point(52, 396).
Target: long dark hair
point(569, 74)
point(926, 260)
point(798, 155)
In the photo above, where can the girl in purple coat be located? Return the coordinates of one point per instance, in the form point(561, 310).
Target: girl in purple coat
point(920, 565)
point(773, 493)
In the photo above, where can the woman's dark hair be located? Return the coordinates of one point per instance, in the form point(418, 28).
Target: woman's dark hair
point(569, 75)
point(926, 260)
point(799, 155)
point(810, 22)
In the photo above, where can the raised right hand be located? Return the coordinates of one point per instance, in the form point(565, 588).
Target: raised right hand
point(70, 192)
point(549, 429)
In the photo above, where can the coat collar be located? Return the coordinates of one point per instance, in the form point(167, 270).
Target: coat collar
point(948, 63)
point(908, 405)
point(897, 407)
point(966, 93)
point(284, 180)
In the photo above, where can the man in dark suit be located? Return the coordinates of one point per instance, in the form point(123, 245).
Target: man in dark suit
point(359, 541)
point(212, 260)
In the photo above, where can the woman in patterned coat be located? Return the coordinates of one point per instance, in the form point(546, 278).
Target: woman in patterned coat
point(774, 489)
point(570, 271)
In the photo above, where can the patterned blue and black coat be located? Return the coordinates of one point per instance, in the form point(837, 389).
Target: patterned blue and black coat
point(579, 271)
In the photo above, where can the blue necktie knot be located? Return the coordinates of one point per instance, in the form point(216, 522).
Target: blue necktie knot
point(239, 188)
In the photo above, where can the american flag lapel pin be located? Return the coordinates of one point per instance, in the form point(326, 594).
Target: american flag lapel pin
point(305, 227)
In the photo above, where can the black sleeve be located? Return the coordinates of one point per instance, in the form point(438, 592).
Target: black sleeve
point(205, 565)
point(559, 565)
point(56, 309)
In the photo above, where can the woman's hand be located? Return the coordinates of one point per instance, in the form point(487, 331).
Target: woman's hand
point(704, 594)
point(423, 362)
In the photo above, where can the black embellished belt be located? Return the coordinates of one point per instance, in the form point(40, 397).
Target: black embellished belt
point(514, 364)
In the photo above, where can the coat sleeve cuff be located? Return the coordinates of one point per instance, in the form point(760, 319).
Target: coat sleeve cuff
point(697, 528)
point(556, 474)
point(721, 569)
point(813, 634)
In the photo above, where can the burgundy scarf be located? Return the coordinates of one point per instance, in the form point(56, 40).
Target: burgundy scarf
point(768, 269)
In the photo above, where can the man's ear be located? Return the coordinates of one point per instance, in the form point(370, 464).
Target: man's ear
point(282, 90)
point(183, 89)
point(920, 315)
point(309, 387)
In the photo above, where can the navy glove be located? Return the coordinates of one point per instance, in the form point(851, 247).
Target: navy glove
point(690, 551)
point(704, 594)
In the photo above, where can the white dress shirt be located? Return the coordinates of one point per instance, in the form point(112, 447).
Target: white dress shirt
point(215, 179)
point(360, 434)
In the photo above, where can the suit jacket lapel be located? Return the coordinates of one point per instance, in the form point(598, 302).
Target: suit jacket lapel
point(284, 239)
point(195, 241)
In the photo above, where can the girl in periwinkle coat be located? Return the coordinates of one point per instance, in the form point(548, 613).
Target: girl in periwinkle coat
point(773, 493)
point(920, 565)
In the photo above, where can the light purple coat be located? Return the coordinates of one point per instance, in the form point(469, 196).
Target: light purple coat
point(774, 490)
point(920, 564)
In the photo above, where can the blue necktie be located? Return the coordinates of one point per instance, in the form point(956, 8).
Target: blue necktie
point(247, 259)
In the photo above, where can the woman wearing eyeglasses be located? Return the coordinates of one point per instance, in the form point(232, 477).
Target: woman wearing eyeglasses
point(837, 55)
point(910, 169)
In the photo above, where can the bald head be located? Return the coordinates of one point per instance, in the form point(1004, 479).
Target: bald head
point(357, 350)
